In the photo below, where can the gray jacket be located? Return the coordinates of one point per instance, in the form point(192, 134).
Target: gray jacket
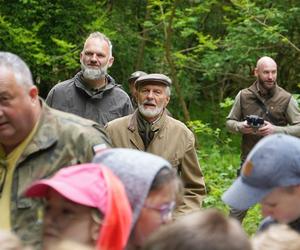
point(103, 106)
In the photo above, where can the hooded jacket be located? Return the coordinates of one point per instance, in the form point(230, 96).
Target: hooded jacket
point(106, 104)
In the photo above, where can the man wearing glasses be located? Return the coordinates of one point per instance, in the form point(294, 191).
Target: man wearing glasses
point(35, 141)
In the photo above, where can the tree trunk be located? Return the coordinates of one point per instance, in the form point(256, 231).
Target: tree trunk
point(142, 45)
point(169, 58)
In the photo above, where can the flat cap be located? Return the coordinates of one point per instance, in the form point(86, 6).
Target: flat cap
point(135, 75)
point(154, 78)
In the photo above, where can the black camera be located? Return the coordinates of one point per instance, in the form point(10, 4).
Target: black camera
point(254, 121)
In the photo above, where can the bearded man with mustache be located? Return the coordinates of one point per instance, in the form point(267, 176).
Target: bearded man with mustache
point(92, 93)
point(267, 100)
point(150, 129)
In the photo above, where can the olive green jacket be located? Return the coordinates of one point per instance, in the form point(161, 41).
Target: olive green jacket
point(174, 142)
point(282, 110)
point(61, 140)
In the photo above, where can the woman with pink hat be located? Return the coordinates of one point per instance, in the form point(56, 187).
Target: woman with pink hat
point(84, 203)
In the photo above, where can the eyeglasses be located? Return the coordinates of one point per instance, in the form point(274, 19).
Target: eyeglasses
point(165, 210)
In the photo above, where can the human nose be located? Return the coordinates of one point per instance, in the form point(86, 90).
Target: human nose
point(48, 219)
point(270, 76)
point(150, 94)
point(266, 211)
point(94, 58)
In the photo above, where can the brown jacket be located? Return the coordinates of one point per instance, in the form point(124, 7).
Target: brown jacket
point(174, 142)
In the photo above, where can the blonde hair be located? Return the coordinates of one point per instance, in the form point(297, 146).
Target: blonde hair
point(277, 237)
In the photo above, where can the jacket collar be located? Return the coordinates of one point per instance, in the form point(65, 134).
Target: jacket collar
point(134, 136)
point(157, 125)
point(255, 88)
point(82, 86)
point(46, 134)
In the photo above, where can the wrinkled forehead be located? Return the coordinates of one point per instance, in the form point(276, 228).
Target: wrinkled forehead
point(152, 85)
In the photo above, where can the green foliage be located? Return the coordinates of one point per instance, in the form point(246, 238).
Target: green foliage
point(219, 160)
point(228, 102)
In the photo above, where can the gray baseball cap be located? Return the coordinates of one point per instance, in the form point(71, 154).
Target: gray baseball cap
point(154, 79)
point(273, 162)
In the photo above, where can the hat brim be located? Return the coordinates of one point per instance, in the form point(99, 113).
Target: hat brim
point(41, 188)
point(151, 81)
point(242, 196)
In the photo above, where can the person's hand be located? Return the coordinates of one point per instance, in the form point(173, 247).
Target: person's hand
point(266, 129)
point(244, 128)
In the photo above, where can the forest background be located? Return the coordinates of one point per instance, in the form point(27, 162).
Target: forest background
point(209, 49)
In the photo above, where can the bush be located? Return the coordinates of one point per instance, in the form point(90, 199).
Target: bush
point(219, 159)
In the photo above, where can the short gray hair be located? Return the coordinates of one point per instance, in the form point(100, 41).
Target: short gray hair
point(168, 91)
point(19, 68)
point(101, 36)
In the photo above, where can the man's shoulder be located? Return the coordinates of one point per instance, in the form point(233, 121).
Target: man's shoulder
point(283, 91)
point(64, 84)
point(119, 121)
point(118, 90)
point(67, 120)
point(179, 126)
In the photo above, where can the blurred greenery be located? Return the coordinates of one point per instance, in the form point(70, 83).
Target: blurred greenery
point(219, 159)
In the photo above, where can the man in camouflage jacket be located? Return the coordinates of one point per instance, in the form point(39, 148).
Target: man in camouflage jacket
point(35, 141)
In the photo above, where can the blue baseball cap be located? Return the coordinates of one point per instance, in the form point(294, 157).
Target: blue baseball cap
point(273, 162)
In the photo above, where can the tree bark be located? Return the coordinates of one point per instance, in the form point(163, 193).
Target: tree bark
point(169, 58)
point(142, 45)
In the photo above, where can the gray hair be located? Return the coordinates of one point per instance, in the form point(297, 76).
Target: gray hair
point(168, 91)
point(101, 36)
point(19, 68)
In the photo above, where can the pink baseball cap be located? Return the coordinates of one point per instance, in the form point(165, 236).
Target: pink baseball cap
point(93, 185)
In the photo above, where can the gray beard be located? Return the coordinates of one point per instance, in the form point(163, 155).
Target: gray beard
point(149, 113)
point(93, 74)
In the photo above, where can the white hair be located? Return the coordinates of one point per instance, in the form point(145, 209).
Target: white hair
point(19, 68)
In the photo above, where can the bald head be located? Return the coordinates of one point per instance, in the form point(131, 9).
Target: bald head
point(265, 60)
point(266, 73)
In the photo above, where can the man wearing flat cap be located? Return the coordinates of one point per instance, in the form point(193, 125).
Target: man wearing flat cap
point(150, 129)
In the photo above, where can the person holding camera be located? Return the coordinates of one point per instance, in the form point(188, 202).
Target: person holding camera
point(262, 109)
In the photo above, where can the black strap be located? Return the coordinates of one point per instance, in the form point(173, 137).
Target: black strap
point(264, 108)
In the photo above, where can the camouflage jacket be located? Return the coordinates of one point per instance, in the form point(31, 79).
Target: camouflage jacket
point(61, 140)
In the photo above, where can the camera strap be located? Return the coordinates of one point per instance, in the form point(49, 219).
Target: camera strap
point(264, 108)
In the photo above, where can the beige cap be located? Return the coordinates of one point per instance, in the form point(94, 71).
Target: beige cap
point(154, 78)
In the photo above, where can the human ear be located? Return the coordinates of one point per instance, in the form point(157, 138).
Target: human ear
point(111, 61)
point(33, 93)
point(167, 101)
point(95, 231)
point(256, 71)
